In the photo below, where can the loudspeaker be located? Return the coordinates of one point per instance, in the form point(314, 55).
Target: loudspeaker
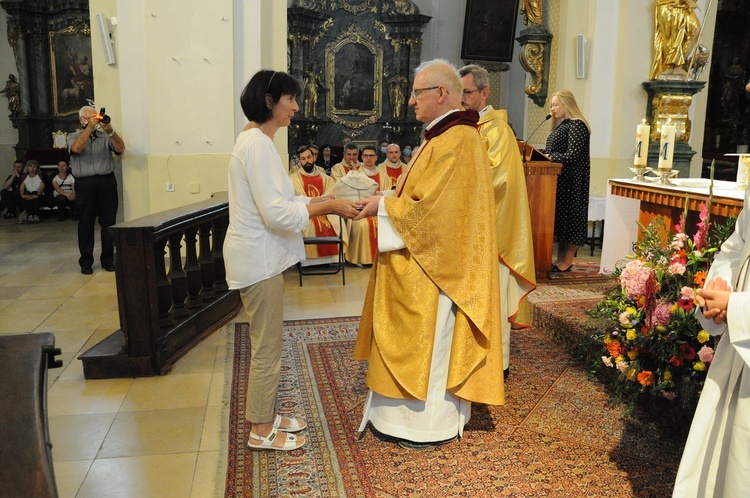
point(107, 42)
point(581, 56)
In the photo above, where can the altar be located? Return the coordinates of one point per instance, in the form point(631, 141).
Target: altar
point(628, 202)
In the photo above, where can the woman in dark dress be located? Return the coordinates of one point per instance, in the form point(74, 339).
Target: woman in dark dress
point(568, 143)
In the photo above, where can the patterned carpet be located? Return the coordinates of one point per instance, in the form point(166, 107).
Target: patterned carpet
point(555, 436)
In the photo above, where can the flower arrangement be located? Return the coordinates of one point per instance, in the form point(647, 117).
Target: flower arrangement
point(653, 346)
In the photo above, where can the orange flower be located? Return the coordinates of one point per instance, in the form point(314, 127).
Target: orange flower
point(676, 361)
point(646, 378)
point(614, 349)
point(700, 278)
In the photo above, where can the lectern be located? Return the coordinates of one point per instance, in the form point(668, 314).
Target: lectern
point(541, 186)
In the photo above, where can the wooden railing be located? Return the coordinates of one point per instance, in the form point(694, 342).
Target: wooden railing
point(164, 313)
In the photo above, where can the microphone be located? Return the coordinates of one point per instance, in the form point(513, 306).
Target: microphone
point(547, 117)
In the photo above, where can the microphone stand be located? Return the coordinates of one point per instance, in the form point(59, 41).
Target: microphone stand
point(547, 117)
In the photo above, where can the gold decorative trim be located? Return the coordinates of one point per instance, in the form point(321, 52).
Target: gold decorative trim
point(355, 6)
point(532, 60)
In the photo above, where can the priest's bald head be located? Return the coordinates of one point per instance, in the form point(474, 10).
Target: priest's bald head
point(437, 90)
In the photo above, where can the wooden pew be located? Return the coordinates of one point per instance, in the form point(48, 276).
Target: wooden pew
point(25, 448)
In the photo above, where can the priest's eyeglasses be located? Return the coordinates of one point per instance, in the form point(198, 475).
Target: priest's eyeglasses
point(417, 92)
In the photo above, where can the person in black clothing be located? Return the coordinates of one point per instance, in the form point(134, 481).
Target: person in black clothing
point(568, 143)
point(10, 197)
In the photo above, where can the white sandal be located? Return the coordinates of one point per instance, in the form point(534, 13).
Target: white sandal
point(291, 442)
point(295, 424)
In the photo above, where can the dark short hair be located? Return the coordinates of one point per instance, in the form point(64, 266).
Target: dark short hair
point(304, 149)
point(350, 146)
point(370, 147)
point(266, 82)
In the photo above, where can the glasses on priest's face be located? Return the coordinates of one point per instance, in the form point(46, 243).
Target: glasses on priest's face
point(417, 92)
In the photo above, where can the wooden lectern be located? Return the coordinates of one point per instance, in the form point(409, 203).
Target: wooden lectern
point(541, 185)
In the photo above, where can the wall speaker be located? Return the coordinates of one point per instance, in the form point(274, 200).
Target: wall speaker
point(581, 56)
point(107, 42)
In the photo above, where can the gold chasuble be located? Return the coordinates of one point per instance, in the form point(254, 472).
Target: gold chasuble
point(515, 248)
point(444, 211)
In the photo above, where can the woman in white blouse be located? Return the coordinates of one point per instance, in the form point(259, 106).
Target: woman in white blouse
point(264, 238)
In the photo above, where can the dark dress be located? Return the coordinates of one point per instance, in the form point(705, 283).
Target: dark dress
point(569, 144)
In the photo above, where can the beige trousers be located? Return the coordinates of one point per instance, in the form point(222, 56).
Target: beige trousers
point(263, 309)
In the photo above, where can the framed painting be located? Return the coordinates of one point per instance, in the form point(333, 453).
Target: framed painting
point(489, 30)
point(354, 68)
point(72, 73)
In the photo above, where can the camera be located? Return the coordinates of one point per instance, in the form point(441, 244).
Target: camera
point(103, 118)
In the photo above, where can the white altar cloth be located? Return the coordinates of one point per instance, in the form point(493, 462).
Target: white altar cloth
point(621, 227)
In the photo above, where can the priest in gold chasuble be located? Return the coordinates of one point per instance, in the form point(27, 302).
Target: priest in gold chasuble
point(514, 241)
point(430, 326)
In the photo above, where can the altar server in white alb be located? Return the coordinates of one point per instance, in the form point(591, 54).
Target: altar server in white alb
point(716, 460)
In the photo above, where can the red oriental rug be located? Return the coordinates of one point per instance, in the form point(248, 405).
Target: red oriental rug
point(555, 436)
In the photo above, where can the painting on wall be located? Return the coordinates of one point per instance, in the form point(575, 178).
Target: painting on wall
point(489, 30)
point(72, 74)
point(354, 67)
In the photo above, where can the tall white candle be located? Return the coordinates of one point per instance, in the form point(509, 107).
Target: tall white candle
point(641, 144)
point(666, 146)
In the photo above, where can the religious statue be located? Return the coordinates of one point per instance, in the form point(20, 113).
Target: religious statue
point(532, 11)
point(732, 92)
point(396, 87)
point(12, 91)
point(311, 84)
point(676, 32)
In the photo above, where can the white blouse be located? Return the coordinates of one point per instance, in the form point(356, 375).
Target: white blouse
point(266, 219)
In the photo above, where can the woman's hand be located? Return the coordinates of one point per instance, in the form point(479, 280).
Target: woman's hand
point(344, 208)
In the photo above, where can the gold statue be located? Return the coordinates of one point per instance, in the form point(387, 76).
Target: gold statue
point(676, 33)
point(533, 12)
point(396, 87)
point(312, 82)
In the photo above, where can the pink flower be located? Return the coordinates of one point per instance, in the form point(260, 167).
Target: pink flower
point(699, 239)
point(621, 366)
point(706, 354)
point(607, 361)
point(669, 394)
point(624, 318)
point(634, 277)
point(687, 293)
point(678, 241)
point(677, 269)
point(662, 314)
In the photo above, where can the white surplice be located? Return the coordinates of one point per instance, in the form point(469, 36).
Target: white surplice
point(716, 460)
point(442, 415)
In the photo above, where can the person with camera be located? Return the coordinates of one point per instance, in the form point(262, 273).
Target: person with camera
point(92, 150)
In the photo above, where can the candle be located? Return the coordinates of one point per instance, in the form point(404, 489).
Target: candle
point(641, 144)
point(666, 146)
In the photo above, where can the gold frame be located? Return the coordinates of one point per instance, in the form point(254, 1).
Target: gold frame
point(63, 44)
point(357, 36)
point(59, 139)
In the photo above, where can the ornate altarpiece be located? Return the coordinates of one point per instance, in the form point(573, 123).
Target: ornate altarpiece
point(36, 30)
point(355, 60)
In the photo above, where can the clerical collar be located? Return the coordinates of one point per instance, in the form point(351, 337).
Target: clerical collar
point(485, 111)
point(393, 165)
point(449, 120)
point(435, 121)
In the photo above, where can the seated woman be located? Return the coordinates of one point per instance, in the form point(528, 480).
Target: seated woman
point(32, 190)
point(64, 191)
